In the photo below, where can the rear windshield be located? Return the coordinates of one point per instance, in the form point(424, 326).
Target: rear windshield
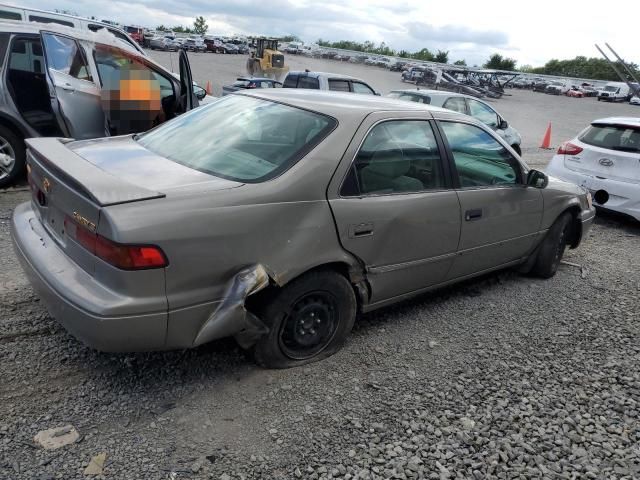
point(239, 138)
point(614, 137)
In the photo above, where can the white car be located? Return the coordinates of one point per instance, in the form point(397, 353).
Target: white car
point(604, 158)
point(635, 100)
point(468, 105)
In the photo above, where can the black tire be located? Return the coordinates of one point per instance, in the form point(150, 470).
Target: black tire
point(322, 300)
point(16, 144)
point(552, 248)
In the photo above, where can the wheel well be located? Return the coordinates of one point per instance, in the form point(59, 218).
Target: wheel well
point(576, 226)
point(517, 148)
point(354, 275)
point(11, 126)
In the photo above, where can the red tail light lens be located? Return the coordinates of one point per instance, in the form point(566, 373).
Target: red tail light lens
point(568, 148)
point(123, 256)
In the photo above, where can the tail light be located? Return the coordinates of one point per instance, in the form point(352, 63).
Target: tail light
point(123, 256)
point(568, 148)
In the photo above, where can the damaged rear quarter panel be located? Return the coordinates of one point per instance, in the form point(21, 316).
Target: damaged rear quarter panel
point(284, 225)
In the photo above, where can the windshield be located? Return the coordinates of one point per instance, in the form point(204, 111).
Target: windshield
point(239, 138)
point(614, 137)
point(610, 88)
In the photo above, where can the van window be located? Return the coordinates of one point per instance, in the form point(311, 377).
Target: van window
point(26, 56)
point(39, 19)
point(10, 15)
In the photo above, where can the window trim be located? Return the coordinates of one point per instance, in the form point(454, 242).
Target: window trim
point(446, 169)
point(522, 168)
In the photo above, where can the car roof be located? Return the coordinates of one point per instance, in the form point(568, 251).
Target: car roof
point(339, 104)
point(101, 36)
point(260, 79)
point(433, 93)
point(631, 121)
point(325, 74)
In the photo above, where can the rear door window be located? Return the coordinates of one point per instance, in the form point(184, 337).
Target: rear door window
point(309, 82)
point(457, 104)
point(291, 81)
point(26, 56)
point(398, 156)
point(338, 85)
point(64, 55)
point(361, 88)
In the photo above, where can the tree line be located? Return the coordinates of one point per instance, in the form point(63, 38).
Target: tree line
point(583, 67)
point(440, 56)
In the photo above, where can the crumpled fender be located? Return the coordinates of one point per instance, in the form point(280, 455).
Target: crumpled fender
point(231, 317)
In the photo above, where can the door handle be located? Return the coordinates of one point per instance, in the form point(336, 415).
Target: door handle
point(68, 87)
point(471, 215)
point(361, 230)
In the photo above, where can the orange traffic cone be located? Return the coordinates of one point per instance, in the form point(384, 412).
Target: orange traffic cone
point(208, 89)
point(546, 140)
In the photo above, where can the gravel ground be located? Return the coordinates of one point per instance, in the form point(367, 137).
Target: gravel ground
point(501, 377)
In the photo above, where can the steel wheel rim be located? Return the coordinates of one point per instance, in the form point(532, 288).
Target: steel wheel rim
point(309, 325)
point(6, 149)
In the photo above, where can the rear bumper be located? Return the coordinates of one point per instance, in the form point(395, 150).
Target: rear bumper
point(73, 297)
point(82, 305)
point(624, 197)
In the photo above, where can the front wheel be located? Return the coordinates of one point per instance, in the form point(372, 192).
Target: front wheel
point(308, 320)
point(552, 248)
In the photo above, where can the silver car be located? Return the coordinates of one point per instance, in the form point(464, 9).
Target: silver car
point(65, 82)
point(274, 216)
point(162, 43)
point(465, 104)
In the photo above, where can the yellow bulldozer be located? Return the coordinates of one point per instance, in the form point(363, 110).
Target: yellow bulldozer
point(266, 60)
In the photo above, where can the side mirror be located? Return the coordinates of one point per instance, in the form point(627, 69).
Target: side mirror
point(537, 179)
point(503, 124)
point(377, 93)
point(199, 92)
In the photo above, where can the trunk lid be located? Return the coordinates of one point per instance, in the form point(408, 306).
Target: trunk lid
point(610, 151)
point(77, 180)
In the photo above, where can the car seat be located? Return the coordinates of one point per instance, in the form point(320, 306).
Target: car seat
point(386, 171)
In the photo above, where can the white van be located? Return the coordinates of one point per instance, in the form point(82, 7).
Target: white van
point(614, 92)
point(21, 14)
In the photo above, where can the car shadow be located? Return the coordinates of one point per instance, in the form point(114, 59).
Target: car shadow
point(611, 219)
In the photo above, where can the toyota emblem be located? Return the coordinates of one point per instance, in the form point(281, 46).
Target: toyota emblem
point(606, 162)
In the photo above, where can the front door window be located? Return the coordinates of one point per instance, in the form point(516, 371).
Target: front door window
point(480, 159)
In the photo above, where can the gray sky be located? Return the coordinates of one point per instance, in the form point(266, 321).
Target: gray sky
point(531, 32)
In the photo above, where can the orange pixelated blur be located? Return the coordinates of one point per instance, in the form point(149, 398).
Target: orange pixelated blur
point(132, 99)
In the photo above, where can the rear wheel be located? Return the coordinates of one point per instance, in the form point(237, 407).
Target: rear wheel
point(12, 157)
point(308, 320)
point(552, 248)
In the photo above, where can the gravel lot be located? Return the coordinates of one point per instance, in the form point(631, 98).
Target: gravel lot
point(501, 377)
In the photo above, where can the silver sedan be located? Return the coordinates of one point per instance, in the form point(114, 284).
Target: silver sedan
point(274, 216)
